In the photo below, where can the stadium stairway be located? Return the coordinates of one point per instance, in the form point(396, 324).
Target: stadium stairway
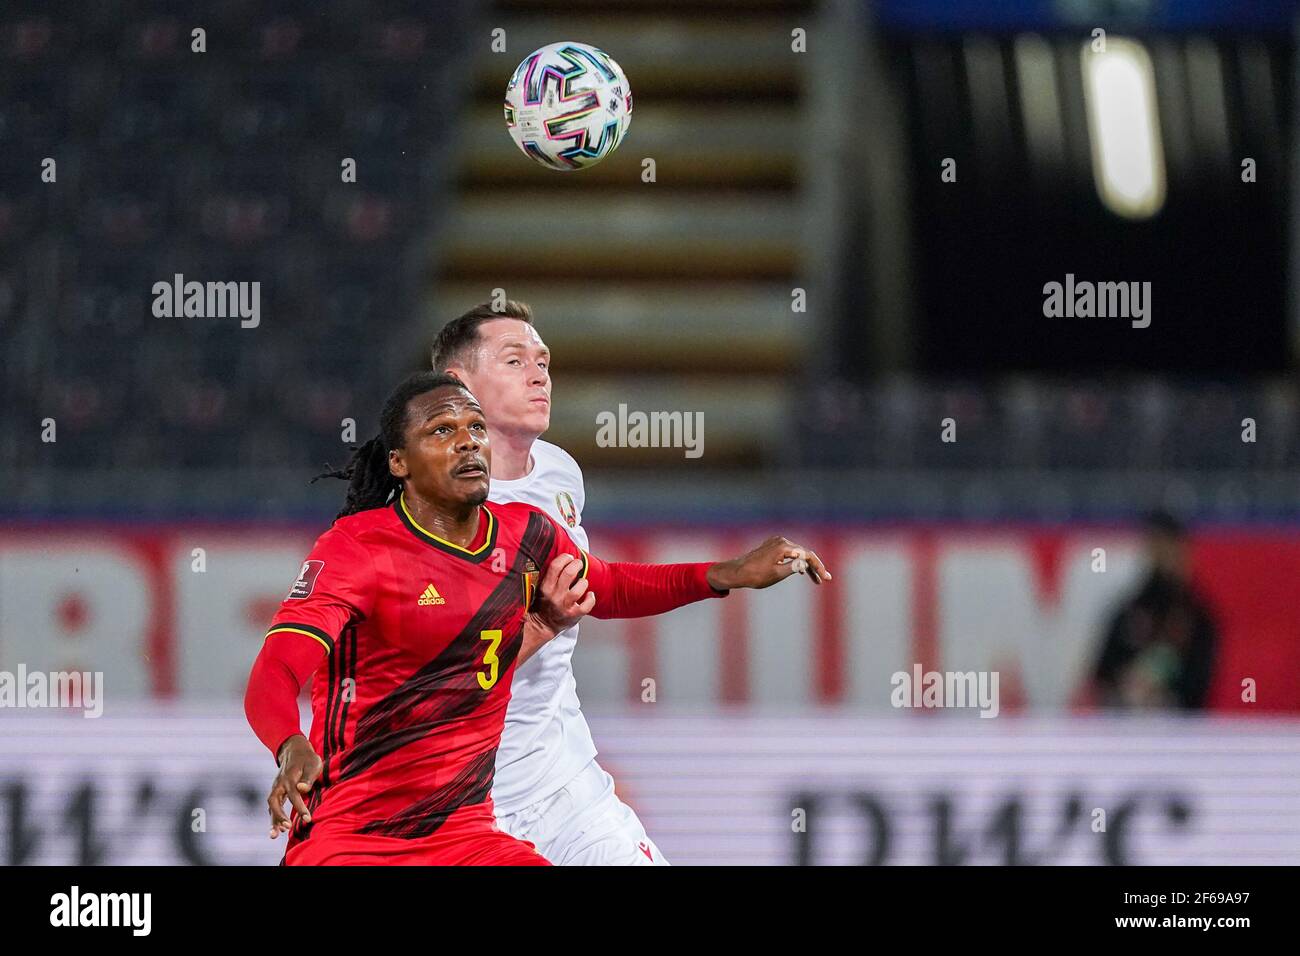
point(672, 294)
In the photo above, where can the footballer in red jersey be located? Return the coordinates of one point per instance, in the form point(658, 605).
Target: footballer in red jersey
point(409, 615)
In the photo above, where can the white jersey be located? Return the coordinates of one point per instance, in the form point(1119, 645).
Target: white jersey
point(546, 742)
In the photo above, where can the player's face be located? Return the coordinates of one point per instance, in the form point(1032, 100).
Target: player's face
point(447, 458)
point(511, 376)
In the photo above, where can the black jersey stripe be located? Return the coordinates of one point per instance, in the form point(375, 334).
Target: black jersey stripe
point(310, 630)
point(472, 785)
point(538, 539)
point(301, 831)
point(447, 687)
point(443, 690)
point(349, 683)
point(331, 702)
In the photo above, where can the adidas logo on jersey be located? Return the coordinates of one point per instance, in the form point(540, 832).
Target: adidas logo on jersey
point(430, 596)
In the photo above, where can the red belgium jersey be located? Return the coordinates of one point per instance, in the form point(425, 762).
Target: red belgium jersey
point(409, 705)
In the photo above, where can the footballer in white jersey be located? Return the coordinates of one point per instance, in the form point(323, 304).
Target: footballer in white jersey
point(548, 787)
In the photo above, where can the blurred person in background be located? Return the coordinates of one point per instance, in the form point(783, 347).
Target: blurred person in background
point(1160, 647)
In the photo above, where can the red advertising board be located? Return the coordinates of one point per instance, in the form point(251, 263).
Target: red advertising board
point(179, 610)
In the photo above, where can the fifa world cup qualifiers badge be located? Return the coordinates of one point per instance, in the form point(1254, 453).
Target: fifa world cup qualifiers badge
point(302, 588)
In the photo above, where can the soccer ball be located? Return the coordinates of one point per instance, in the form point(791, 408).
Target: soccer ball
point(568, 105)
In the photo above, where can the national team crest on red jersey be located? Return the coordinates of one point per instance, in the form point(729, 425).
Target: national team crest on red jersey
point(530, 576)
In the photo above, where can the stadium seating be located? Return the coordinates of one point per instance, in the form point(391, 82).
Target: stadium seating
point(222, 166)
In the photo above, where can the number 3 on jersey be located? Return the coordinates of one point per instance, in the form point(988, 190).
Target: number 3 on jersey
point(490, 659)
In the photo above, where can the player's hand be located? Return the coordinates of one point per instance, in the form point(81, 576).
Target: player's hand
point(772, 561)
point(563, 598)
point(299, 767)
point(561, 601)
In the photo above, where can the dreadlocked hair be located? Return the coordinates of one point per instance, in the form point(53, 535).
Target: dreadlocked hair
point(370, 483)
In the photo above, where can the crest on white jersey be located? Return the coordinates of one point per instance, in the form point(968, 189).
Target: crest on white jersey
point(568, 510)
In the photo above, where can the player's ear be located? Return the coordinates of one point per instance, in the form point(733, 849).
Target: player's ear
point(397, 463)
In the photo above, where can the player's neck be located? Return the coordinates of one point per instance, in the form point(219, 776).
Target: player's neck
point(512, 456)
point(458, 524)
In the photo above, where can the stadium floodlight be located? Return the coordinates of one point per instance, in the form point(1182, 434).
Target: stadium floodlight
point(1128, 163)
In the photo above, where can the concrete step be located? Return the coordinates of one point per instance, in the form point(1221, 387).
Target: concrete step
point(738, 147)
point(498, 237)
point(647, 327)
point(743, 422)
point(678, 9)
point(680, 57)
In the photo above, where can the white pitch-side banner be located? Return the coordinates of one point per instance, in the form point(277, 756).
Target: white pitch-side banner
point(176, 786)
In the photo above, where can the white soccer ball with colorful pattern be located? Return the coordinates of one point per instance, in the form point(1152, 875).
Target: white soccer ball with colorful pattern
point(568, 105)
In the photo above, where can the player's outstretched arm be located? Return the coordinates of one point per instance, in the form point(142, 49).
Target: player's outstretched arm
point(642, 590)
point(623, 589)
point(771, 562)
